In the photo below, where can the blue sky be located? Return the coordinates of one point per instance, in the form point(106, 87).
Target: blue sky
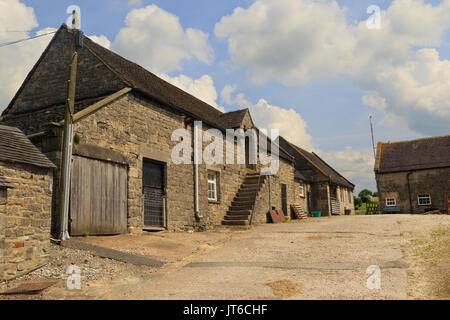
point(335, 118)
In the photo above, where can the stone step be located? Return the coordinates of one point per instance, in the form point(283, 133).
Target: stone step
point(235, 222)
point(239, 212)
point(241, 207)
point(248, 189)
point(235, 217)
point(244, 198)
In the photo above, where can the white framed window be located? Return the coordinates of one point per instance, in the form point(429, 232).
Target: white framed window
point(302, 190)
point(423, 199)
point(391, 202)
point(212, 186)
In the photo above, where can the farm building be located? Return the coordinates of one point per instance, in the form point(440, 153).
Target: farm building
point(329, 192)
point(26, 178)
point(414, 176)
point(123, 177)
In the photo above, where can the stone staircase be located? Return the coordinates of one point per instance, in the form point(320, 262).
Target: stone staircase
point(240, 210)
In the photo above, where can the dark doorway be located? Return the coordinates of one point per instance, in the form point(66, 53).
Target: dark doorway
point(308, 202)
point(153, 186)
point(284, 199)
point(249, 144)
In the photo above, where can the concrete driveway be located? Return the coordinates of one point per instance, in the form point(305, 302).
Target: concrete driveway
point(317, 258)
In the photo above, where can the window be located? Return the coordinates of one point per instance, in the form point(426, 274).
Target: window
point(302, 190)
point(342, 194)
point(212, 186)
point(424, 199)
point(350, 198)
point(391, 202)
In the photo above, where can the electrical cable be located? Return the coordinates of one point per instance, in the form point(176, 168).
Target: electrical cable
point(26, 39)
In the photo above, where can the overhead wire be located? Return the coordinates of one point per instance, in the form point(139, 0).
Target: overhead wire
point(25, 39)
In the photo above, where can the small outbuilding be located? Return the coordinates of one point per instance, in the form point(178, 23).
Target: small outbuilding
point(414, 176)
point(324, 188)
point(26, 179)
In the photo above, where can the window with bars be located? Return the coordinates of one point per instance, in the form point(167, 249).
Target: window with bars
point(302, 190)
point(391, 202)
point(424, 199)
point(212, 186)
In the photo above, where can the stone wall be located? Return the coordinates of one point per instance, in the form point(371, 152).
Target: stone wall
point(435, 182)
point(3, 198)
point(139, 129)
point(345, 197)
point(272, 185)
point(27, 214)
point(302, 200)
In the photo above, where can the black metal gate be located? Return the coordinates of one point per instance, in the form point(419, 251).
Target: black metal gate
point(154, 190)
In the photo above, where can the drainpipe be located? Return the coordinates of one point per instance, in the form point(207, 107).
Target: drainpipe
point(197, 126)
point(409, 191)
point(270, 196)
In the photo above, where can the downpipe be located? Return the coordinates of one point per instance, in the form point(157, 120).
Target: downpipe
point(197, 127)
point(409, 191)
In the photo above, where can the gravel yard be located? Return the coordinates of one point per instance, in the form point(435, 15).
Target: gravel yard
point(317, 258)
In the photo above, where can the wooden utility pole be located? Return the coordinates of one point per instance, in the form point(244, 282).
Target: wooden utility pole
point(66, 152)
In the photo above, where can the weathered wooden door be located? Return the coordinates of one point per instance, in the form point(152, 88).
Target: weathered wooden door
point(448, 204)
point(98, 197)
point(284, 199)
point(154, 190)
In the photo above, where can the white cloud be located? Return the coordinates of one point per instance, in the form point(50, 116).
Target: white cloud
point(294, 41)
point(288, 40)
point(101, 40)
point(354, 165)
point(202, 88)
point(17, 60)
point(266, 116)
point(155, 39)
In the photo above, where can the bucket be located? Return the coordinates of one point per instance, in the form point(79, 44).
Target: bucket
point(316, 213)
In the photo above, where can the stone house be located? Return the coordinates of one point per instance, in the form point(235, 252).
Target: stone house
point(414, 176)
point(329, 192)
point(123, 175)
point(26, 178)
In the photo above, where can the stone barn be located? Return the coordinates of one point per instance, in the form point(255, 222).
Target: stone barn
point(414, 176)
point(125, 124)
point(26, 178)
point(329, 191)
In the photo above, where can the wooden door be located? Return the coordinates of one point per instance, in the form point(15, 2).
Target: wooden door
point(98, 197)
point(284, 199)
point(448, 204)
point(153, 186)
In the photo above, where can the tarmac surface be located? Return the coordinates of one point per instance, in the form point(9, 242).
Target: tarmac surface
point(323, 258)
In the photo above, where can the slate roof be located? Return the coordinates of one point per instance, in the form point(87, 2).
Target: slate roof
point(4, 183)
point(299, 176)
point(426, 153)
point(16, 148)
point(233, 119)
point(102, 72)
point(319, 164)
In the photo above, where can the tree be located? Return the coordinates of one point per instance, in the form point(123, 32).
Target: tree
point(375, 194)
point(365, 192)
point(366, 198)
point(357, 201)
